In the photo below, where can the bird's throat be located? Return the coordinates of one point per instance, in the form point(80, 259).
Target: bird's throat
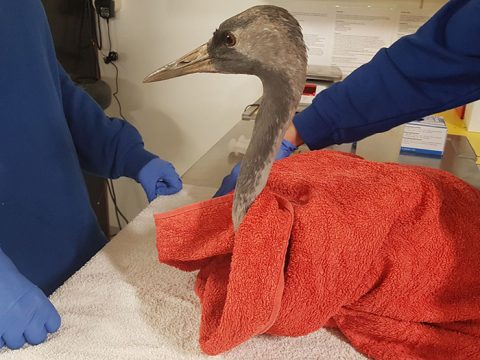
point(278, 107)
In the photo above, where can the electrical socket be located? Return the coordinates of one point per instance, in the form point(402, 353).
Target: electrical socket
point(105, 8)
point(118, 5)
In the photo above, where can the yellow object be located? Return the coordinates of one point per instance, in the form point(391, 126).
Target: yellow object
point(456, 126)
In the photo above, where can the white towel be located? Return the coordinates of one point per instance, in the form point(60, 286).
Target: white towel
point(125, 305)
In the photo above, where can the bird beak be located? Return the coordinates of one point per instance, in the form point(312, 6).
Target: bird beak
point(196, 61)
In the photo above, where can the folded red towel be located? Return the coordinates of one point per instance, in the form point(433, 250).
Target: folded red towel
point(390, 254)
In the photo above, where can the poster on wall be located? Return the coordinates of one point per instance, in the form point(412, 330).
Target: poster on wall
point(348, 36)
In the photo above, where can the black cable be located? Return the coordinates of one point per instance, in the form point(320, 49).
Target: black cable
point(114, 200)
point(110, 185)
point(116, 92)
point(99, 39)
point(113, 195)
point(109, 38)
point(93, 30)
point(94, 26)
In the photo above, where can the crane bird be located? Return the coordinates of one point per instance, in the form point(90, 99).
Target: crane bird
point(265, 41)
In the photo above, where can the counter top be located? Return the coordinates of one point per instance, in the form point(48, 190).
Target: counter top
point(210, 169)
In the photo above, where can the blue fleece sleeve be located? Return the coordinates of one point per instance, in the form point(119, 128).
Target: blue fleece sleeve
point(107, 147)
point(435, 69)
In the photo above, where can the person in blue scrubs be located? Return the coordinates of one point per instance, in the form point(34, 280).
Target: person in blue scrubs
point(435, 69)
point(51, 131)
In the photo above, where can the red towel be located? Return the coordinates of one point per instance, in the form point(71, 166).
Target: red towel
point(389, 254)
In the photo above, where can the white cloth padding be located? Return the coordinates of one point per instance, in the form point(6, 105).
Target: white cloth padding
point(125, 305)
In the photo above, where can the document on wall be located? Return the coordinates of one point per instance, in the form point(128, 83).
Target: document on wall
point(410, 20)
point(348, 36)
point(317, 33)
point(359, 33)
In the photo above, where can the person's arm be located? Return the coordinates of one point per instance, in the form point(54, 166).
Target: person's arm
point(110, 147)
point(435, 69)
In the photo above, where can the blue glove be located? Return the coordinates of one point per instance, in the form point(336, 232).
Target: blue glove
point(158, 177)
point(229, 181)
point(26, 314)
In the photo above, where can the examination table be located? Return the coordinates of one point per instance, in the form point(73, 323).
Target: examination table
point(125, 305)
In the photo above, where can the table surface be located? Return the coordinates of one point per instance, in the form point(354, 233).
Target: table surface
point(210, 169)
point(144, 309)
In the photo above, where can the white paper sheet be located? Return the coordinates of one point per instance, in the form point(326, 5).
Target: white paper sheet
point(317, 32)
point(410, 20)
point(359, 34)
point(348, 36)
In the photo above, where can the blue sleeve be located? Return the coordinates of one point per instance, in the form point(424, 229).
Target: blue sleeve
point(435, 69)
point(106, 147)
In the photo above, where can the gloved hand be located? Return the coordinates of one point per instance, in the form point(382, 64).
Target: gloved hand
point(158, 177)
point(229, 181)
point(26, 314)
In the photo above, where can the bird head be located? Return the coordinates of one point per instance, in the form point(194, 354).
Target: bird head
point(259, 41)
point(265, 41)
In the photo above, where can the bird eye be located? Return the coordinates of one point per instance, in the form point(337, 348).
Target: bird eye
point(230, 40)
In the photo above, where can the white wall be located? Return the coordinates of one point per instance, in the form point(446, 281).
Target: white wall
point(180, 119)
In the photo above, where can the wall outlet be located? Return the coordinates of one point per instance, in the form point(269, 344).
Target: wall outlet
point(105, 8)
point(118, 5)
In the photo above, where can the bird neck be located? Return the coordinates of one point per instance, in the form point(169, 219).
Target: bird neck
point(279, 102)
